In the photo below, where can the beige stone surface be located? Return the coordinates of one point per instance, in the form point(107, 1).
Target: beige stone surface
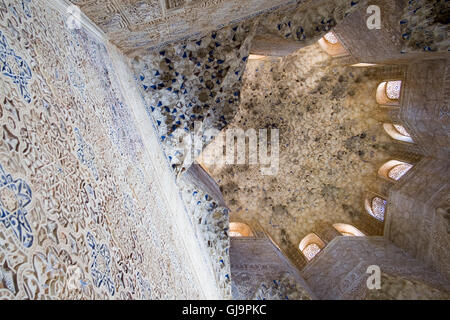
point(417, 220)
point(259, 270)
point(341, 271)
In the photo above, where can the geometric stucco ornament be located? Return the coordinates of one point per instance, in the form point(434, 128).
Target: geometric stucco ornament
point(14, 68)
point(15, 196)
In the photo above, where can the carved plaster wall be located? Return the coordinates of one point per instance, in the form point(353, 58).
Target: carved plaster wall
point(400, 288)
point(340, 270)
point(414, 221)
point(260, 271)
point(88, 208)
point(425, 106)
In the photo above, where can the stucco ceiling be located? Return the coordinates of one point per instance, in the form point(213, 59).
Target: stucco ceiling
point(134, 25)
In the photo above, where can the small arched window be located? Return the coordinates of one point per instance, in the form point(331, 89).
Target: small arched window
point(311, 245)
point(238, 229)
point(397, 132)
point(363, 65)
point(348, 230)
point(388, 92)
point(256, 57)
point(394, 169)
point(376, 207)
point(331, 45)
